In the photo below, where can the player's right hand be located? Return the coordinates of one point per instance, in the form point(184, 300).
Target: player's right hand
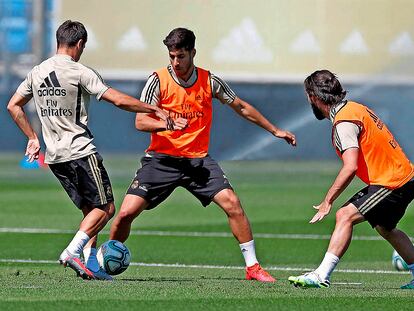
point(162, 114)
point(289, 137)
point(32, 149)
point(323, 209)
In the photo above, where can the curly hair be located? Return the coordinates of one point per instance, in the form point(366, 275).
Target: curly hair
point(325, 85)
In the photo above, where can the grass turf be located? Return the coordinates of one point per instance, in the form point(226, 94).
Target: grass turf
point(278, 198)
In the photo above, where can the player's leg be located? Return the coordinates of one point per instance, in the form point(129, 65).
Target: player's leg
point(238, 221)
point(404, 247)
point(94, 220)
point(152, 184)
point(399, 241)
point(240, 227)
point(87, 184)
point(386, 224)
point(346, 218)
point(90, 251)
point(131, 207)
point(206, 180)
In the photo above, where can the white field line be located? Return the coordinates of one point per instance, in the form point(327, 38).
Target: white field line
point(186, 266)
point(194, 234)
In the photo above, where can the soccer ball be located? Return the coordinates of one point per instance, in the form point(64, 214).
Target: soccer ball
point(114, 257)
point(398, 263)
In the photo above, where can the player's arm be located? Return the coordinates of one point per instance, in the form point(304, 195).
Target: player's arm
point(129, 103)
point(15, 108)
point(342, 180)
point(250, 113)
point(93, 83)
point(346, 141)
point(147, 123)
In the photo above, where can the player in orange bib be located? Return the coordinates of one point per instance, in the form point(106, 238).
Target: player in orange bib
point(368, 150)
point(178, 153)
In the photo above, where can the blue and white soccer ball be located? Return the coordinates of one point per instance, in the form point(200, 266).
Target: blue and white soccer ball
point(114, 257)
point(398, 263)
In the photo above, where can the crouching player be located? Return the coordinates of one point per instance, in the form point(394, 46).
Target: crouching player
point(178, 155)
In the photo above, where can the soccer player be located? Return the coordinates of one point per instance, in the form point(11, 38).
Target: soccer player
point(179, 157)
point(368, 150)
point(60, 88)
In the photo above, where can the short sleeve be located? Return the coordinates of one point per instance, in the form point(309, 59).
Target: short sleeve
point(346, 135)
point(221, 90)
point(151, 92)
point(25, 88)
point(92, 82)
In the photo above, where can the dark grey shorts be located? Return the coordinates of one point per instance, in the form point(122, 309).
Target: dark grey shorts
point(85, 180)
point(382, 206)
point(160, 174)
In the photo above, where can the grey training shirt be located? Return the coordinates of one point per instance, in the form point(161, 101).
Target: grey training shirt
point(61, 90)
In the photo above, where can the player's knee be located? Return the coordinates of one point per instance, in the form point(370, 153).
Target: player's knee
point(344, 217)
point(125, 216)
point(233, 207)
point(233, 201)
point(385, 233)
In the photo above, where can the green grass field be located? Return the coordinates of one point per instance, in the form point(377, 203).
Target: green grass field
point(184, 257)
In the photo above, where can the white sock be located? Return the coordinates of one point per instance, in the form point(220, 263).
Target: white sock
point(327, 265)
point(78, 242)
point(411, 268)
point(249, 253)
point(89, 255)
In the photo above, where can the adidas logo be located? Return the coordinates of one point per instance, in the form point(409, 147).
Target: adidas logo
point(51, 86)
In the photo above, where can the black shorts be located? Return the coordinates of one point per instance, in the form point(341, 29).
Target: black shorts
point(160, 174)
point(382, 206)
point(85, 181)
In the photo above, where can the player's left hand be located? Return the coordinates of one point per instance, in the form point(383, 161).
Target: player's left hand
point(323, 209)
point(286, 135)
point(32, 149)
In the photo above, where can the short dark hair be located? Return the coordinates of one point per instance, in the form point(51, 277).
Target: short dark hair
point(325, 85)
point(180, 38)
point(70, 32)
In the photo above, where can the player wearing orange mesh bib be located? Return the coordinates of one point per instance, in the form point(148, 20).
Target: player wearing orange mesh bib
point(368, 150)
point(178, 153)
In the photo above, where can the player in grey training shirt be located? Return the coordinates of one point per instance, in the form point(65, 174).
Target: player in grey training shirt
point(60, 88)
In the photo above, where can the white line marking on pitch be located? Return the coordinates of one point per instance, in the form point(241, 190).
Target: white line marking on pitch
point(178, 265)
point(194, 234)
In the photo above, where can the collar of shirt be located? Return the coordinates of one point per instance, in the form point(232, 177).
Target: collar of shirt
point(65, 56)
point(189, 82)
point(335, 108)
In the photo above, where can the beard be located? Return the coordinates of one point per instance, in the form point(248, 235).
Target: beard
point(318, 114)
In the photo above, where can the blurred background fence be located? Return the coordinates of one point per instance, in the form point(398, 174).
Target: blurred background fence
point(263, 49)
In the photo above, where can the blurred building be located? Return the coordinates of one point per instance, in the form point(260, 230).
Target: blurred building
point(263, 49)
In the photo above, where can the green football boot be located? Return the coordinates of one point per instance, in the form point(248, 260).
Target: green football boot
point(309, 280)
point(408, 286)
